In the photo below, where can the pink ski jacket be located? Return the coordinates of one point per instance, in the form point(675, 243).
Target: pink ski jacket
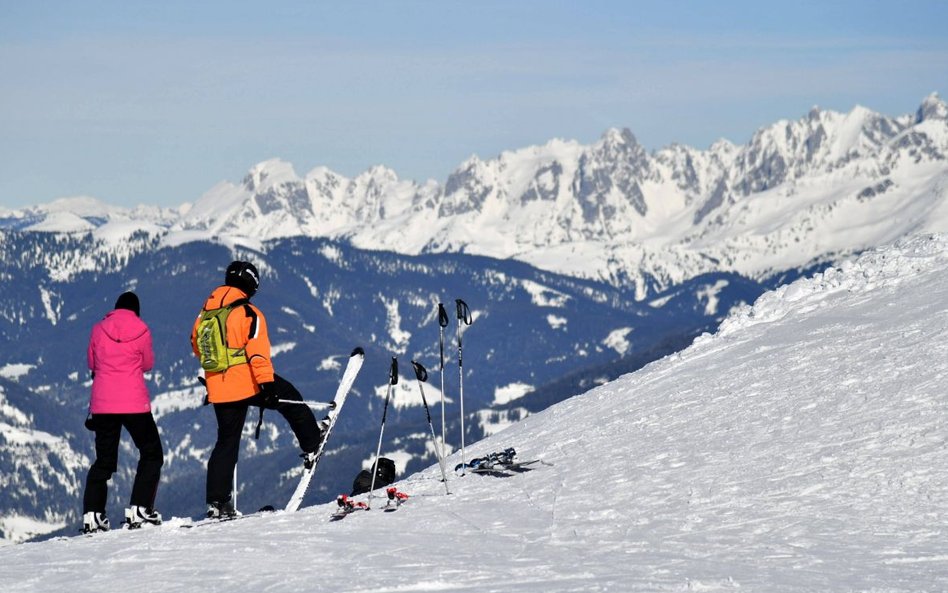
point(119, 354)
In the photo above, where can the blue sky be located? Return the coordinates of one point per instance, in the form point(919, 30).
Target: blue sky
point(155, 102)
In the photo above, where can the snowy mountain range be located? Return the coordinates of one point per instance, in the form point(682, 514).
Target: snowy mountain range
point(800, 448)
point(580, 262)
point(799, 191)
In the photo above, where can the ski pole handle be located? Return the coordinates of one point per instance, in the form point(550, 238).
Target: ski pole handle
point(464, 312)
point(420, 372)
point(442, 315)
point(393, 372)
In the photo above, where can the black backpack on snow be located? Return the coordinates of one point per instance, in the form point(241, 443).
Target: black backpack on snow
point(383, 477)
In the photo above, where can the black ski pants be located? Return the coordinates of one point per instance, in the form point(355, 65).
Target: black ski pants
point(231, 417)
point(108, 433)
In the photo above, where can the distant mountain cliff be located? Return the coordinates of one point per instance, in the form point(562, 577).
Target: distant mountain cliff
point(797, 192)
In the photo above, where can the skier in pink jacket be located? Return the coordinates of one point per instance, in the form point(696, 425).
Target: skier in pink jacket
point(120, 352)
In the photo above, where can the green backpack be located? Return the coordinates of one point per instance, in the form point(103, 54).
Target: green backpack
point(212, 340)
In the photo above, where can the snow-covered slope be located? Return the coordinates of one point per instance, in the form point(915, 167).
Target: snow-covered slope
point(801, 448)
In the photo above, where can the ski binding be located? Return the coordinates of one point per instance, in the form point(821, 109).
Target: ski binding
point(346, 507)
point(395, 499)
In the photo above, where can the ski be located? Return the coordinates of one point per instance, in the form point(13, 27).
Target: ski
point(395, 499)
point(499, 464)
point(347, 506)
point(215, 521)
point(504, 469)
point(489, 462)
point(227, 519)
point(348, 378)
point(521, 466)
point(140, 526)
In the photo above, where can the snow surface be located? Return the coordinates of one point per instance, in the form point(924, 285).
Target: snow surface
point(801, 448)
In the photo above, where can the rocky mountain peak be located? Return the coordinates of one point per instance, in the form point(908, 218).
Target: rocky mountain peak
point(932, 107)
point(270, 173)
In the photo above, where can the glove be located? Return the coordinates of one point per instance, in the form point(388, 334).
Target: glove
point(270, 397)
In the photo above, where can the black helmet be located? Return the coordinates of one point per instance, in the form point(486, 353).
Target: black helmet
point(242, 275)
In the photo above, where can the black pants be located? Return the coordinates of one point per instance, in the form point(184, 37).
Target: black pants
point(230, 425)
point(108, 433)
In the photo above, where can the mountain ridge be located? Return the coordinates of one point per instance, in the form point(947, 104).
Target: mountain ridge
point(608, 211)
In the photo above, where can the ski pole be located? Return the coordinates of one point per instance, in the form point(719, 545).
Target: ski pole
point(443, 323)
point(313, 405)
point(392, 381)
point(464, 314)
point(422, 375)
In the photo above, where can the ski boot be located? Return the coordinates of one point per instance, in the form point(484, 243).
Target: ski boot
point(309, 459)
point(507, 456)
point(93, 522)
point(221, 510)
point(136, 516)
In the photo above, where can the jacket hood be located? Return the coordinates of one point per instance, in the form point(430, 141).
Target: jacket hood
point(122, 325)
point(223, 296)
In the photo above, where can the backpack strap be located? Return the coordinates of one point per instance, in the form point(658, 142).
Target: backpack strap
point(249, 312)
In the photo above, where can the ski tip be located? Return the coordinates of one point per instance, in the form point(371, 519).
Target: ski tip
point(358, 351)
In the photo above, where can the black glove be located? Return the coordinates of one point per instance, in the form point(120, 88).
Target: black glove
point(269, 396)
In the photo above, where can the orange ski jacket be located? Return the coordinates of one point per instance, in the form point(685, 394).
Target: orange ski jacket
point(246, 328)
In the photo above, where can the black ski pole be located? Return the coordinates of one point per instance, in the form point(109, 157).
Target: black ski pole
point(392, 381)
point(464, 314)
point(422, 375)
point(443, 323)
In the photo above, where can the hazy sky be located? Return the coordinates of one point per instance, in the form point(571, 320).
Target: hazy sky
point(155, 102)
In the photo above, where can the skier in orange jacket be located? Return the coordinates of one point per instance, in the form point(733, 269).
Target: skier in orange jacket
point(248, 380)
